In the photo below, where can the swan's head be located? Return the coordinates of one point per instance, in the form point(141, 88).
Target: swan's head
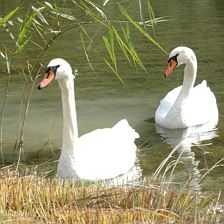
point(58, 69)
point(179, 56)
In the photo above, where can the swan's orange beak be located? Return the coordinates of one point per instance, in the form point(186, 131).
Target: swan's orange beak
point(171, 66)
point(49, 76)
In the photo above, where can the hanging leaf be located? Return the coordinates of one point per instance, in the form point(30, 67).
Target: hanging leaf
point(20, 19)
point(25, 27)
point(39, 14)
point(2, 54)
point(49, 5)
point(65, 16)
point(147, 35)
point(105, 2)
point(8, 16)
point(20, 47)
point(86, 51)
point(115, 72)
point(97, 8)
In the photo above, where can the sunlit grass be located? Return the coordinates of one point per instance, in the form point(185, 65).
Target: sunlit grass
point(26, 197)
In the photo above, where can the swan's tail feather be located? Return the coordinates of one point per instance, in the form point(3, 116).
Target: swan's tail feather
point(124, 128)
point(204, 83)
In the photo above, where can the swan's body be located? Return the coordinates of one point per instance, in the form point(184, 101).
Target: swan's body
point(100, 154)
point(186, 105)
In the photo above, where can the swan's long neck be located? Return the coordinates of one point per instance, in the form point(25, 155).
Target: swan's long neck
point(190, 72)
point(70, 128)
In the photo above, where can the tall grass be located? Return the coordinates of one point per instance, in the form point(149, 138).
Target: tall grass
point(30, 199)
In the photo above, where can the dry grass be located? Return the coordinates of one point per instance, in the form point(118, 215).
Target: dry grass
point(33, 199)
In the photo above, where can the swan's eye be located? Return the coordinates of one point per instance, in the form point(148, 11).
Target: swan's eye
point(174, 58)
point(52, 68)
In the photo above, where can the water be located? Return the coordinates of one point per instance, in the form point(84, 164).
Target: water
point(102, 100)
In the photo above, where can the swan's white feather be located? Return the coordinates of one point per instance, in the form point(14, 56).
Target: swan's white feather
point(200, 109)
point(106, 153)
point(187, 106)
point(101, 154)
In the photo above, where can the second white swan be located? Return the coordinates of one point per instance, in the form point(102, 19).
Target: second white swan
point(186, 105)
point(100, 154)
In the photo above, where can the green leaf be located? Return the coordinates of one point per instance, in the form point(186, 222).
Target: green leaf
point(105, 2)
point(112, 48)
point(20, 47)
point(115, 72)
point(141, 14)
point(97, 9)
point(7, 63)
point(151, 15)
point(2, 54)
point(39, 14)
point(65, 16)
point(90, 12)
point(20, 20)
point(122, 45)
point(128, 46)
point(86, 50)
point(107, 44)
point(25, 27)
point(8, 16)
point(147, 35)
point(49, 5)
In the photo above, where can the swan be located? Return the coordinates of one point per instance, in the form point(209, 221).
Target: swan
point(98, 155)
point(186, 105)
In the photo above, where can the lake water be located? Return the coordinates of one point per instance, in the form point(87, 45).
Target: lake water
point(102, 99)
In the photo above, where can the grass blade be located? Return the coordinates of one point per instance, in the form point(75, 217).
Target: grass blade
point(217, 164)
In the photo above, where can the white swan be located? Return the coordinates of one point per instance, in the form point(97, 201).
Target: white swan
point(186, 105)
point(100, 154)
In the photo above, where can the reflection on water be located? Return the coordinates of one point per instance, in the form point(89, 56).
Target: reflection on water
point(133, 176)
point(185, 139)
